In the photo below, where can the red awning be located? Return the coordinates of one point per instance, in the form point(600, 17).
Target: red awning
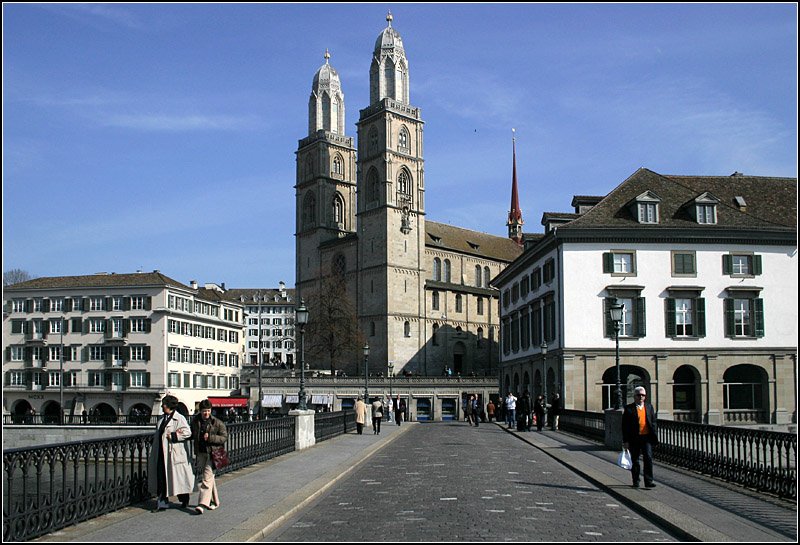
point(224, 402)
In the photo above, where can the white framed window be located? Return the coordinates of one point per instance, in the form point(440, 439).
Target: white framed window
point(684, 322)
point(138, 379)
point(96, 303)
point(16, 378)
point(53, 379)
point(174, 380)
point(648, 212)
point(97, 325)
point(17, 353)
point(18, 305)
point(619, 263)
point(137, 302)
point(57, 305)
point(706, 214)
point(55, 325)
point(173, 353)
point(37, 304)
point(117, 303)
point(54, 352)
point(97, 353)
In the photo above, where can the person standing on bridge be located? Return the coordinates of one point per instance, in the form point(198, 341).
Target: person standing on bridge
point(361, 415)
point(169, 471)
point(377, 416)
point(640, 435)
point(511, 410)
point(208, 432)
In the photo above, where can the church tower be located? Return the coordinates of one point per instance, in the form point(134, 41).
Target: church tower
point(391, 211)
point(515, 222)
point(325, 191)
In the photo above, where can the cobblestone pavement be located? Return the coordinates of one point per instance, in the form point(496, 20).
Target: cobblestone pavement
point(448, 481)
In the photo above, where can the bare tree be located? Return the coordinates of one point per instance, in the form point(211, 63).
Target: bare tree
point(332, 333)
point(15, 276)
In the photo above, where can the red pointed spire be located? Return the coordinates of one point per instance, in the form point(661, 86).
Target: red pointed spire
point(515, 214)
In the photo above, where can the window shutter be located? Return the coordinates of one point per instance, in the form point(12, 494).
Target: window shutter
point(727, 264)
point(608, 262)
point(86, 326)
point(758, 322)
point(756, 265)
point(148, 325)
point(146, 353)
point(700, 317)
point(67, 305)
point(45, 305)
point(16, 326)
point(729, 318)
point(671, 327)
point(609, 330)
point(641, 318)
point(107, 303)
point(148, 303)
point(147, 380)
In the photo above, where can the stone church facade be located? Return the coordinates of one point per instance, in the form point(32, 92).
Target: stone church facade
point(420, 289)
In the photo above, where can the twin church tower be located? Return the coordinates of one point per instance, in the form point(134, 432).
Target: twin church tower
point(419, 289)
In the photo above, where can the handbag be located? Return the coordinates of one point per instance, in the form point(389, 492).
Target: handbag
point(624, 460)
point(219, 457)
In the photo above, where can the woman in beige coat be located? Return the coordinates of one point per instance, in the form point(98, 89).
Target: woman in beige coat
point(361, 415)
point(169, 471)
point(209, 433)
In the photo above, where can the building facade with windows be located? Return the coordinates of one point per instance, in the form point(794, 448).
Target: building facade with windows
point(419, 288)
point(115, 344)
point(705, 269)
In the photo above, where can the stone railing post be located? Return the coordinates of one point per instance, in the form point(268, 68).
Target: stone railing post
point(304, 429)
point(613, 428)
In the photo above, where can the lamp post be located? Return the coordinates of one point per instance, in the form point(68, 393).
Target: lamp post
point(61, 376)
point(301, 315)
point(615, 313)
point(258, 298)
point(366, 373)
point(543, 348)
point(391, 372)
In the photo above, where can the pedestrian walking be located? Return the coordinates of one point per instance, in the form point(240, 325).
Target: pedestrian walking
point(490, 410)
point(389, 409)
point(555, 410)
point(476, 410)
point(468, 410)
point(640, 435)
point(511, 410)
point(169, 471)
point(377, 415)
point(361, 415)
point(524, 411)
point(400, 408)
point(538, 411)
point(209, 433)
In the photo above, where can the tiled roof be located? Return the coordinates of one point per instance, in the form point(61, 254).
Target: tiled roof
point(771, 202)
point(457, 239)
point(110, 280)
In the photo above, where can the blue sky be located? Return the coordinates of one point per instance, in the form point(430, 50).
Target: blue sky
point(163, 136)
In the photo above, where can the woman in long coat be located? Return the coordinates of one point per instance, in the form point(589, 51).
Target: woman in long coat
point(209, 433)
point(169, 472)
point(361, 415)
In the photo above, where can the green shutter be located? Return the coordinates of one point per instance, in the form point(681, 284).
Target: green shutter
point(608, 262)
point(641, 318)
point(700, 317)
point(758, 317)
point(670, 306)
point(729, 318)
point(147, 380)
point(147, 353)
point(756, 265)
point(727, 264)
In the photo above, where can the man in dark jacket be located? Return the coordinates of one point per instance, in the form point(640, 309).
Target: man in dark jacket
point(640, 435)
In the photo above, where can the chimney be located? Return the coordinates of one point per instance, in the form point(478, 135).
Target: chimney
point(193, 284)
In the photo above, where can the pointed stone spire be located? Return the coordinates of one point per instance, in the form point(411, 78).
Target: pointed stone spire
point(515, 214)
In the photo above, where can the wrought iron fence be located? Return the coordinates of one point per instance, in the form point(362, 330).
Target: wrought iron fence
point(758, 459)
point(50, 487)
point(327, 425)
point(79, 420)
point(583, 423)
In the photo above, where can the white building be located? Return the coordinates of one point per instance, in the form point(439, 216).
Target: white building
point(123, 342)
point(706, 268)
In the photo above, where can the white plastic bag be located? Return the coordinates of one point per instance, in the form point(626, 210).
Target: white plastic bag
point(624, 460)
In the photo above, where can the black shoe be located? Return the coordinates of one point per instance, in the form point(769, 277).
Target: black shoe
point(650, 485)
point(636, 484)
point(185, 503)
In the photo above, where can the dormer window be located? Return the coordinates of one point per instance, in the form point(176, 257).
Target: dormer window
point(705, 209)
point(646, 206)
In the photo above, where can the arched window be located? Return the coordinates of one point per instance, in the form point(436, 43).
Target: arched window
point(338, 210)
point(372, 329)
point(478, 279)
point(373, 141)
point(404, 188)
point(309, 211)
point(486, 277)
point(339, 266)
point(338, 165)
point(437, 269)
point(447, 270)
point(435, 300)
point(402, 140)
point(480, 305)
point(459, 303)
point(407, 329)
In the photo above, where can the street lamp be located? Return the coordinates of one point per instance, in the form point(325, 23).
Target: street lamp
point(366, 373)
point(615, 313)
point(258, 298)
point(544, 371)
point(391, 395)
point(301, 315)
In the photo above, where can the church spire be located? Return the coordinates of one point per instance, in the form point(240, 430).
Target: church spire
point(515, 214)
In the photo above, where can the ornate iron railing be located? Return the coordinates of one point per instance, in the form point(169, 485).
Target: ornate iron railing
point(78, 420)
point(583, 423)
point(50, 487)
point(327, 425)
point(758, 459)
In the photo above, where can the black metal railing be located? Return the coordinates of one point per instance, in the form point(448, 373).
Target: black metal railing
point(584, 423)
point(763, 460)
point(78, 420)
point(327, 425)
point(50, 487)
